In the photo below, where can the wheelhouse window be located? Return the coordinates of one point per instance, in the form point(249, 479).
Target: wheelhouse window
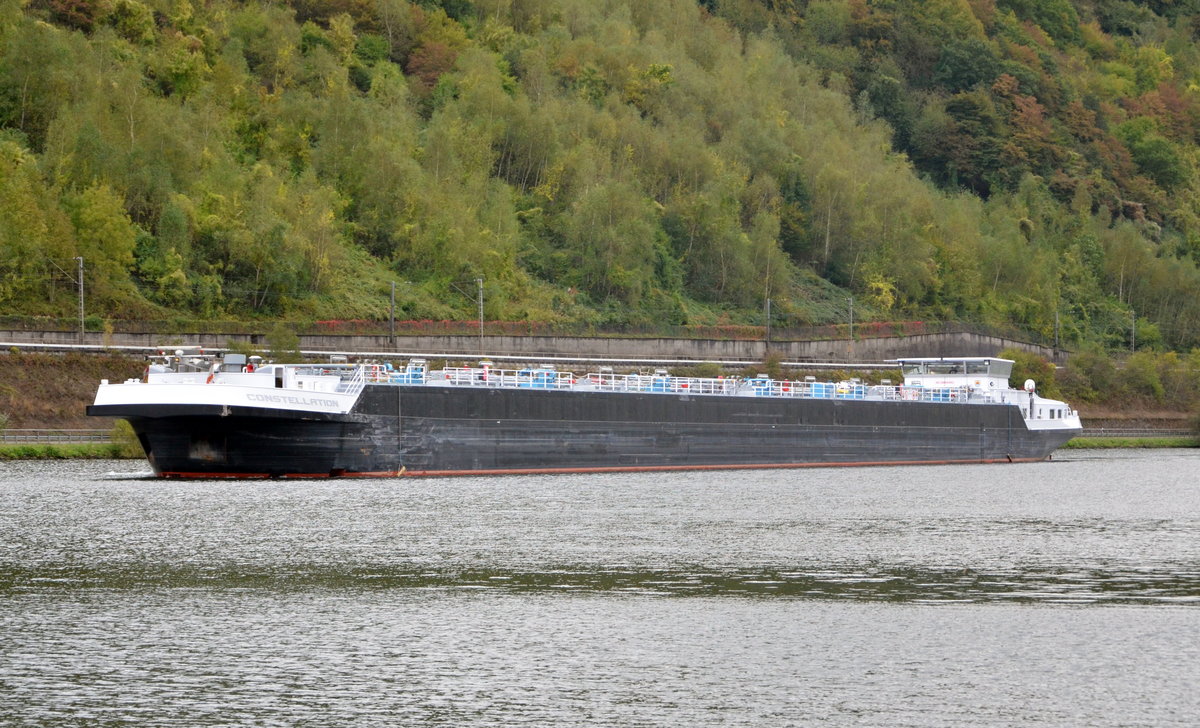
point(992, 368)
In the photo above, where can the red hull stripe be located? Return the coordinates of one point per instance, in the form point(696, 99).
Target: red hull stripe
point(661, 468)
point(606, 469)
point(264, 476)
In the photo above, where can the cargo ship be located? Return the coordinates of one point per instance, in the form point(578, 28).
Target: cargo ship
point(233, 416)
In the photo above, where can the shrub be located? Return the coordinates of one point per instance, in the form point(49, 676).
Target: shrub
point(711, 370)
point(1093, 376)
point(283, 344)
point(125, 442)
point(771, 364)
point(1032, 366)
point(1141, 377)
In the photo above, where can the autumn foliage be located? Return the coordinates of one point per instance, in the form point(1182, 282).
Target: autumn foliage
point(1022, 163)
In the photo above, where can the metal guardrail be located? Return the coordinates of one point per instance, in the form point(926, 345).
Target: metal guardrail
point(1135, 432)
point(13, 435)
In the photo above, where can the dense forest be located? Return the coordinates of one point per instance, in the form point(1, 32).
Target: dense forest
point(618, 162)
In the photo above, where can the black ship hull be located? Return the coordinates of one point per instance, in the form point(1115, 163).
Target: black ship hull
point(435, 430)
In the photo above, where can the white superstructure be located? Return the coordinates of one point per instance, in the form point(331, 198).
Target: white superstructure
point(234, 380)
point(987, 379)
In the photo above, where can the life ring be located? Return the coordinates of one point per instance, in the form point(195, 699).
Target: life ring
point(210, 379)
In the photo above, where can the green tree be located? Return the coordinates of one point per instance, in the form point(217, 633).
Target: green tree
point(612, 229)
point(106, 238)
point(1031, 366)
point(1057, 17)
point(37, 69)
point(966, 63)
point(36, 238)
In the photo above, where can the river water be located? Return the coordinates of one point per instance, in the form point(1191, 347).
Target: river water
point(1059, 593)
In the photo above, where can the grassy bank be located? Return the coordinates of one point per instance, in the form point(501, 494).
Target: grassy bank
point(64, 451)
point(1080, 443)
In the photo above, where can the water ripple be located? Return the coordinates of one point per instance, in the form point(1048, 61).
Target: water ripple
point(1179, 585)
point(1061, 593)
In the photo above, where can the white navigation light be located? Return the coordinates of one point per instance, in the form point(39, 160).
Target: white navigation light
point(1030, 385)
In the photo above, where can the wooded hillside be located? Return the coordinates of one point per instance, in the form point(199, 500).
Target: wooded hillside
point(607, 161)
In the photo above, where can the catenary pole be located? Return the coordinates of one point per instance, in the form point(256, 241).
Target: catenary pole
point(79, 258)
point(479, 284)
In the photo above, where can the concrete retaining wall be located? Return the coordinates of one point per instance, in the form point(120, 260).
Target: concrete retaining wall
point(863, 350)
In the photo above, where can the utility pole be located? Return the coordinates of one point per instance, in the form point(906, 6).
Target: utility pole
point(80, 259)
point(392, 318)
point(477, 298)
point(479, 284)
point(1132, 331)
point(768, 347)
point(850, 344)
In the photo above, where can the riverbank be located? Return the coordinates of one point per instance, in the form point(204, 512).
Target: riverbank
point(122, 445)
point(52, 390)
point(67, 451)
point(1085, 443)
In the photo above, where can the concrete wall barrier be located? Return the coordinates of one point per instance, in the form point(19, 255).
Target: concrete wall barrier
point(617, 348)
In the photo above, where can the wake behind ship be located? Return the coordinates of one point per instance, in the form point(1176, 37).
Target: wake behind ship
point(201, 416)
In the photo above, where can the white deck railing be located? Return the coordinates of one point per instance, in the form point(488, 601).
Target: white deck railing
point(538, 378)
point(355, 383)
